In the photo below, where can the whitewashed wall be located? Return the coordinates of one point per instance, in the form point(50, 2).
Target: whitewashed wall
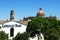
point(41, 37)
point(21, 29)
point(34, 38)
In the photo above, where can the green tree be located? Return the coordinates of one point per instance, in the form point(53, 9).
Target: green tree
point(0, 27)
point(23, 36)
point(3, 36)
point(36, 24)
point(49, 27)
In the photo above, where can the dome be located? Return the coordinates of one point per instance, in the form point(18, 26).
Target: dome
point(40, 12)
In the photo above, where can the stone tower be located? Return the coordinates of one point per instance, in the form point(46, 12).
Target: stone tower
point(40, 13)
point(12, 15)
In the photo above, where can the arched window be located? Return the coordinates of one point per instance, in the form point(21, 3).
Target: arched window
point(12, 32)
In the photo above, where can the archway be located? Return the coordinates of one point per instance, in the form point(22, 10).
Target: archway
point(12, 32)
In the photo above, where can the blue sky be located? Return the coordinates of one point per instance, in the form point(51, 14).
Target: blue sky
point(25, 8)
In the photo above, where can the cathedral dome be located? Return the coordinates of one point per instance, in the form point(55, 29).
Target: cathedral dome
point(40, 12)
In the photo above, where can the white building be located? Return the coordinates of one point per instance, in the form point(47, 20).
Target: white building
point(12, 28)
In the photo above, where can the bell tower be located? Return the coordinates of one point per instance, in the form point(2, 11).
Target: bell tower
point(12, 15)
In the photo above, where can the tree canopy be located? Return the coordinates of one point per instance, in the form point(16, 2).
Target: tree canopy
point(23, 36)
point(3, 36)
point(49, 27)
